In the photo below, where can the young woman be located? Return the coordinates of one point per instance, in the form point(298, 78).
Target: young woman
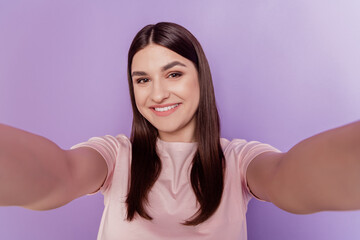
point(175, 178)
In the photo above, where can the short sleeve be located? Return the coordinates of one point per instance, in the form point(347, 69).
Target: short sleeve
point(245, 152)
point(109, 147)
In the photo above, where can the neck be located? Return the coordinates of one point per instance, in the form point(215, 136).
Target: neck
point(176, 138)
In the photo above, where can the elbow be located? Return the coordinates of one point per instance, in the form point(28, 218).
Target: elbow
point(60, 194)
point(36, 207)
point(298, 210)
point(46, 204)
point(292, 204)
point(289, 200)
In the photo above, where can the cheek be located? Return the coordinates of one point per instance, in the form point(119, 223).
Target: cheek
point(139, 99)
point(193, 89)
point(190, 87)
point(138, 94)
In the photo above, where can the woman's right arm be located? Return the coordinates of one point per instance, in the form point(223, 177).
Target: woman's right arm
point(37, 174)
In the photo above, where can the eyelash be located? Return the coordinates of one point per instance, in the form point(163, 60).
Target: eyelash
point(177, 73)
point(141, 80)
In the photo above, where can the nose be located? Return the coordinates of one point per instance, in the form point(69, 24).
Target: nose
point(159, 91)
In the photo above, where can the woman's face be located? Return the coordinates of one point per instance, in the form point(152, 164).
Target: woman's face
point(167, 92)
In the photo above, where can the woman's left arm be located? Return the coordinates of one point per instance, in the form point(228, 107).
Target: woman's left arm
point(320, 173)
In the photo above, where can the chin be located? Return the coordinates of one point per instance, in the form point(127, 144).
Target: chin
point(166, 129)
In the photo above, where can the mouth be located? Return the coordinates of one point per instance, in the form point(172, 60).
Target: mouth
point(165, 111)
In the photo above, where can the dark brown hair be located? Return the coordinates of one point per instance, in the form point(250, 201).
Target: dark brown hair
point(208, 165)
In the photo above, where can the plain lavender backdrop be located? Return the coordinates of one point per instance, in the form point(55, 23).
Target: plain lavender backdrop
point(283, 71)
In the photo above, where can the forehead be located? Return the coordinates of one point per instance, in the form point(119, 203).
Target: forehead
point(155, 56)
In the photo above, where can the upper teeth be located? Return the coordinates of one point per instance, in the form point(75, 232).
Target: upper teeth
point(166, 108)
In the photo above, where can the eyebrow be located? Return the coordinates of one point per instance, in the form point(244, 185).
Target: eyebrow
point(164, 68)
point(172, 64)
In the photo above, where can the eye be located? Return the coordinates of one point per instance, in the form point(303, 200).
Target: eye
point(142, 80)
point(175, 75)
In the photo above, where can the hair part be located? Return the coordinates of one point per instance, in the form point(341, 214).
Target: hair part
point(208, 165)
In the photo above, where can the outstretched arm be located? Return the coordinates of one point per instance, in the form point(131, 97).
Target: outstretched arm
point(37, 174)
point(320, 173)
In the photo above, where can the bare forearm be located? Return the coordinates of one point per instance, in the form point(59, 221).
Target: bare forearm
point(322, 172)
point(29, 167)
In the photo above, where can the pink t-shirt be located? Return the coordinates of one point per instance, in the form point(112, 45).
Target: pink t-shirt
point(172, 199)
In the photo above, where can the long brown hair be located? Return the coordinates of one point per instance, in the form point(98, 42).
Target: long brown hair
point(208, 165)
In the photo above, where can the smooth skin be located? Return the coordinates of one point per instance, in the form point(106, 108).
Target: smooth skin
point(37, 174)
point(161, 77)
point(319, 173)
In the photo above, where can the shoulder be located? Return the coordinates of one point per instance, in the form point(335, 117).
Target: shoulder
point(228, 145)
point(119, 140)
point(241, 152)
point(108, 146)
point(243, 146)
point(115, 151)
point(109, 141)
point(123, 140)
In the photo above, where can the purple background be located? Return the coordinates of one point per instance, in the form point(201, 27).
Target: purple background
point(283, 71)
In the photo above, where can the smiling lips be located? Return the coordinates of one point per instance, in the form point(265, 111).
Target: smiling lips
point(164, 110)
